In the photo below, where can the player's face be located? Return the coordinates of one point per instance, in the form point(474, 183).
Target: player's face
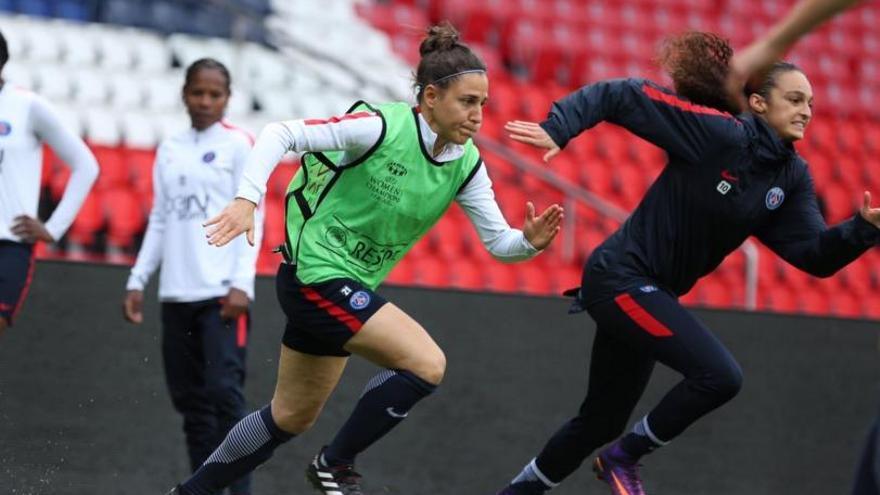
point(458, 110)
point(206, 97)
point(789, 107)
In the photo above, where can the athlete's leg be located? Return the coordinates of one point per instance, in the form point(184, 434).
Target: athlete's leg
point(3, 325)
point(867, 480)
point(304, 383)
point(223, 346)
point(413, 366)
point(184, 365)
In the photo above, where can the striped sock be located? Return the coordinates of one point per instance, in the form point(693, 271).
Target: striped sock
point(533, 478)
point(249, 443)
point(386, 401)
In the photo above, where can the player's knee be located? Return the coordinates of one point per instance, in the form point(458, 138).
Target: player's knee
point(431, 367)
point(726, 381)
point(296, 420)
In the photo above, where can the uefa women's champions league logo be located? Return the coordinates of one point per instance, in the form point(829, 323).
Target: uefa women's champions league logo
point(774, 198)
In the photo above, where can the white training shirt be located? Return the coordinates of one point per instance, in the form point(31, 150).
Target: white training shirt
point(356, 136)
point(194, 177)
point(26, 121)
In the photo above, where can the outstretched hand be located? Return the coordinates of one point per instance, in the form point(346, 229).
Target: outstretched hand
point(541, 230)
point(872, 215)
point(532, 133)
point(235, 219)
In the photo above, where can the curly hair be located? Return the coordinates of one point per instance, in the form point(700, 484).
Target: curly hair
point(698, 63)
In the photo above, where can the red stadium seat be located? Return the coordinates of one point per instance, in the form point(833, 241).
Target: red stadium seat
point(89, 220)
point(402, 273)
point(466, 274)
point(124, 217)
point(431, 272)
point(500, 277)
point(114, 172)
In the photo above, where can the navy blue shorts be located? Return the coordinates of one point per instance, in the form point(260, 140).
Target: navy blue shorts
point(322, 317)
point(16, 271)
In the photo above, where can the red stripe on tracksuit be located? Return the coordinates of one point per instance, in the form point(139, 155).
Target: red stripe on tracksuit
point(27, 282)
point(241, 330)
point(332, 309)
point(642, 317)
point(657, 95)
point(232, 127)
point(335, 120)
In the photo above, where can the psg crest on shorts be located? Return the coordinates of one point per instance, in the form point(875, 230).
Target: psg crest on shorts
point(5, 128)
point(774, 198)
point(359, 300)
point(209, 157)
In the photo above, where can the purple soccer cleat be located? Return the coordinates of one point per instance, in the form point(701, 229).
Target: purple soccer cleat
point(619, 470)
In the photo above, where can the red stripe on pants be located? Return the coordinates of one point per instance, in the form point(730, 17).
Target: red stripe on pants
point(332, 309)
point(642, 317)
point(241, 330)
point(27, 282)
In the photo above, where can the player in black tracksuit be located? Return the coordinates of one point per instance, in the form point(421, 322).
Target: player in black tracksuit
point(728, 177)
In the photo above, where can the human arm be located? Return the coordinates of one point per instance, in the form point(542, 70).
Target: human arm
point(84, 170)
point(683, 129)
point(799, 235)
point(504, 243)
point(355, 133)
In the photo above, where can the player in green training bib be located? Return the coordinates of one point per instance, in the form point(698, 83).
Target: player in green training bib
point(372, 182)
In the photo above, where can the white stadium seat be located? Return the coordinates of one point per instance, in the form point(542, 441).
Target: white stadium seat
point(102, 127)
point(139, 131)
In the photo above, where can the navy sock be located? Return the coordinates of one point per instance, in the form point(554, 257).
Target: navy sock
point(386, 400)
point(249, 443)
point(640, 441)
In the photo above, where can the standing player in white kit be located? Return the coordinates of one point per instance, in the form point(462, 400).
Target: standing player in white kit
point(26, 122)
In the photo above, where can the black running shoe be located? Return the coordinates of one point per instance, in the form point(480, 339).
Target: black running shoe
point(336, 480)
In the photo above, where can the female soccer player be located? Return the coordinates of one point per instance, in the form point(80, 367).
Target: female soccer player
point(728, 177)
point(390, 172)
point(26, 122)
point(204, 291)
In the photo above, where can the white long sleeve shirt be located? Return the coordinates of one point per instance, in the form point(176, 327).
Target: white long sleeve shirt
point(26, 121)
point(194, 177)
point(355, 135)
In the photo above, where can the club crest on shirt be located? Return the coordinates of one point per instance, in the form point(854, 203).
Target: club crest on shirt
point(5, 128)
point(209, 157)
point(359, 300)
point(774, 198)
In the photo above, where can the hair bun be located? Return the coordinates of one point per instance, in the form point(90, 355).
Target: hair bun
point(441, 37)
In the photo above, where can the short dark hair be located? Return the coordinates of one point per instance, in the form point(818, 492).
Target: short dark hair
point(444, 58)
point(699, 63)
point(763, 85)
point(207, 63)
point(4, 51)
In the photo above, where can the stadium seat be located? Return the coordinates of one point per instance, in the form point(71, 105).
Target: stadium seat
point(89, 220)
point(76, 10)
point(124, 216)
point(466, 274)
point(41, 8)
point(114, 172)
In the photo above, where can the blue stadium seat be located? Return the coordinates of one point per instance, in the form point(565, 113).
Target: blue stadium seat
point(34, 7)
point(7, 5)
point(124, 12)
point(170, 17)
point(78, 10)
point(211, 21)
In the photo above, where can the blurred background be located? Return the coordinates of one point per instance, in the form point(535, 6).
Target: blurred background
point(114, 70)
